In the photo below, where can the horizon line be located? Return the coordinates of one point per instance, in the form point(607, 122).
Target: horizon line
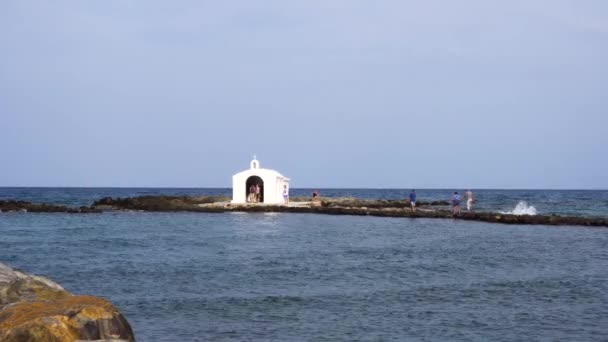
point(330, 188)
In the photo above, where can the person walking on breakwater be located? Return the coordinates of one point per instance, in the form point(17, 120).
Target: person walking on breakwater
point(413, 200)
point(285, 194)
point(316, 199)
point(470, 200)
point(456, 203)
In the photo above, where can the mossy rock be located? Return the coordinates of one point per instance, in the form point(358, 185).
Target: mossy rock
point(68, 319)
point(34, 308)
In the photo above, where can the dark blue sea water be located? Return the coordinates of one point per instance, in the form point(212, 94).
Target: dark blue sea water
point(303, 277)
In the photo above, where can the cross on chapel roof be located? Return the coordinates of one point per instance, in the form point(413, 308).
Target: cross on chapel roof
point(255, 164)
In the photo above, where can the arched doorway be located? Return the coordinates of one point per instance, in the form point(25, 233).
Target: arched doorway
point(252, 196)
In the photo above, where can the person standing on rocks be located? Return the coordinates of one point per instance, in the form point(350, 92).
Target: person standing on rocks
point(257, 193)
point(413, 200)
point(470, 200)
point(456, 203)
point(285, 194)
point(251, 193)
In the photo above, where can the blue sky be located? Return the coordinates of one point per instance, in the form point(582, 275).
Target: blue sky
point(443, 94)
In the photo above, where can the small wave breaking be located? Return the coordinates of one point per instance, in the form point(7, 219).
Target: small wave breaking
point(522, 208)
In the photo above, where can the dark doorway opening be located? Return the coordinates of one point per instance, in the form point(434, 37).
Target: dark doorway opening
point(254, 196)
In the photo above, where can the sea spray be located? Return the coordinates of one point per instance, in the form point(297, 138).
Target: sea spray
point(522, 208)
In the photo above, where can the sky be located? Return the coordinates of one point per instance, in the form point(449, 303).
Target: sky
point(344, 93)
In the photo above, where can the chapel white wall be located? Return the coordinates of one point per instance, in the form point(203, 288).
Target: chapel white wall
point(273, 184)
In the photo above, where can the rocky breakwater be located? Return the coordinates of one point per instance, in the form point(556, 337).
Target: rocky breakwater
point(339, 206)
point(34, 308)
point(24, 206)
point(165, 203)
point(222, 203)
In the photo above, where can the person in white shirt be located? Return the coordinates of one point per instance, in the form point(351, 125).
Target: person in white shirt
point(470, 200)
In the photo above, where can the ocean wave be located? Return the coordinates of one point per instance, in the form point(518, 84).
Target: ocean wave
point(522, 208)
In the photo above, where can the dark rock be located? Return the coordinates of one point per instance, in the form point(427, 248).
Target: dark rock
point(370, 203)
point(334, 206)
point(89, 210)
point(24, 206)
point(160, 203)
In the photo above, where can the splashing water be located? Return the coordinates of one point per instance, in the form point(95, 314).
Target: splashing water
point(522, 208)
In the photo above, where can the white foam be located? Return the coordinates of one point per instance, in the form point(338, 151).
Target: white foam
point(522, 208)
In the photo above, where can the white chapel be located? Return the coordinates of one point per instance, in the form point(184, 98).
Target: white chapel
point(270, 183)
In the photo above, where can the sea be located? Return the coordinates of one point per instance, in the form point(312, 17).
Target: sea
point(307, 277)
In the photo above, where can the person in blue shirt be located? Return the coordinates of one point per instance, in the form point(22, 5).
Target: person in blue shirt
point(456, 203)
point(285, 194)
point(413, 200)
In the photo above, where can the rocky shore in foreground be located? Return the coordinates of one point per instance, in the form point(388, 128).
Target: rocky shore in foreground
point(330, 206)
point(34, 308)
